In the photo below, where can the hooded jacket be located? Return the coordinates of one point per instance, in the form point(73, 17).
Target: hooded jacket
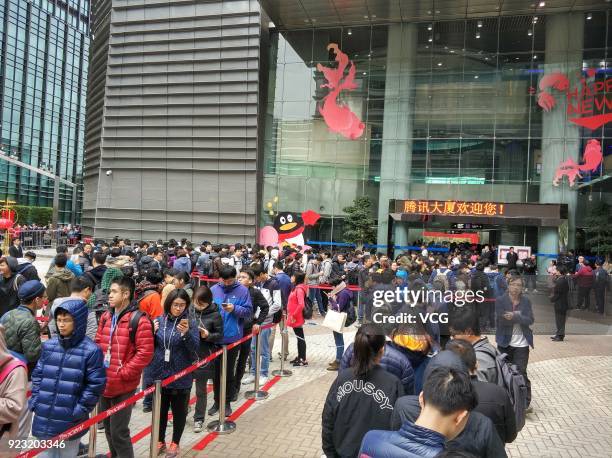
point(411, 441)
point(485, 355)
point(9, 287)
point(182, 264)
point(272, 293)
point(96, 274)
point(356, 405)
point(92, 322)
point(58, 285)
point(183, 351)
point(393, 361)
point(584, 277)
point(295, 305)
point(127, 359)
point(28, 271)
point(149, 299)
point(233, 321)
point(68, 379)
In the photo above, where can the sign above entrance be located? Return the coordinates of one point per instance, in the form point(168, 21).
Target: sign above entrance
point(452, 207)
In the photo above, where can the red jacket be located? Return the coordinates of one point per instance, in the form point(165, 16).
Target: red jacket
point(584, 277)
point(127, 360)
point(295, 305)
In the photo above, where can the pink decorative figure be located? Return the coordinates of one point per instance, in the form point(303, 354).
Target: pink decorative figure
point(268, 236)
point(556, 80)
point(338, 117)
point(592, 160)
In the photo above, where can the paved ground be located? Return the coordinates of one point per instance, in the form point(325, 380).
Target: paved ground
point(571, 382)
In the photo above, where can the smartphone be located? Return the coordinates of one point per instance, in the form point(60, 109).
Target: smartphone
point(225, 305)
point(184, 322)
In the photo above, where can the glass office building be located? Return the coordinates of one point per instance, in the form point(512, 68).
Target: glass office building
point(43, 84)
point(449, 103)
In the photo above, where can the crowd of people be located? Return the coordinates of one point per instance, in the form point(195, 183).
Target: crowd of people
point(120, 316)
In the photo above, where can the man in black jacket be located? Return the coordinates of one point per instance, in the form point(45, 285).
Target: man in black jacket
point(530, 270)
point(493, 400)
point(559, 297)
point(512, 259)
point(260, 312)
point(15, 250)
point(479, 436)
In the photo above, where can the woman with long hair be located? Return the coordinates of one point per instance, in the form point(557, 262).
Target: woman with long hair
point(295, 317)
point(361, 398)
point(176, 344)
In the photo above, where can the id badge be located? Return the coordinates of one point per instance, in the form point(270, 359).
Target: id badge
point(167, 355)
point(107, 359)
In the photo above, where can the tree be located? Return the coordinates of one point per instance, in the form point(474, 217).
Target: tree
point(598, 229)
point(359, 226)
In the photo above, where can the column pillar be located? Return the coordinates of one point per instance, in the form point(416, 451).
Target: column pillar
point(396, 157)
point(560, 139)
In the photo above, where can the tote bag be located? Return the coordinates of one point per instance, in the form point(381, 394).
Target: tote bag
point(334, 320)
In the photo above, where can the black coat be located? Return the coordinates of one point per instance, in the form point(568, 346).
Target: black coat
point(16, 252)
point(494, 402)
point(560, 292)
point(260, 309)
point(209, 318)
point(479, 436)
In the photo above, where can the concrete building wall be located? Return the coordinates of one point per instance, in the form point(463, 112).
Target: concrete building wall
point(175, 121)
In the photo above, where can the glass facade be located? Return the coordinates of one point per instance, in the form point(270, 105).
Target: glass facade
point(43, 84)
point(450, 111)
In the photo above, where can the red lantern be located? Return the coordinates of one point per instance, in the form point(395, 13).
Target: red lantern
point(6, 223)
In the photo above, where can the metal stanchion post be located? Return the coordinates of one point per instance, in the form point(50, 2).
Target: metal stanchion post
point(256, 393)
point(222, 425)
point(153, 453)
point(93, 430)
point(283, 372)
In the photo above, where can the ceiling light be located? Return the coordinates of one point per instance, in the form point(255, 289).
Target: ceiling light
point(530, 33)
point(475, 77)
point(589, 17)
point(479, 23)
point(535, 56)
point(350, 32)
point(516, 58)
point(439, 64)
point(452, 51)
point(430, 39)
point(429, 27)
point(374, 16)
point(542, 4)
point(426, 46)
point(535, 19)
point(477, 34)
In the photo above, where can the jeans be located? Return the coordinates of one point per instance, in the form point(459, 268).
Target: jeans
point(117, 427)
point(530, 281)
point(178, 401)
point(70, 450)
point(339, 340)
point(232, 355)
point(265, 352)
point(360, 308)
point(314, 294)
point(301, 343)
point(285, 347)
point(520, 357)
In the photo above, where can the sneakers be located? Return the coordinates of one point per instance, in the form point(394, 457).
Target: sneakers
point(101, 426)
point(147, 409)
point(173, 451)
point(263, 381)
point(213, 410)
point(228, 410)
point(334, 366)
point(161, 448)
point(295, 360)
point(300, 362)
point(248, 379)
point(198, 426)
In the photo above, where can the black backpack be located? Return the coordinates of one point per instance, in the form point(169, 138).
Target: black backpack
point(352, 277)
point(308, 309)
point(133, 325)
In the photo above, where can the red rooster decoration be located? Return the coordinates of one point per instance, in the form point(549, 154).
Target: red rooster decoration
point(592, 157)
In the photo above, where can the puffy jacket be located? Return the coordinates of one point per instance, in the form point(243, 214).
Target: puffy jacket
point(22, 333)
point(479, 436)
point(295, 305)
point(28, 271)
point(58, 285)
point(411, 441)
point(584, 277)
point(127, 359)
point(393, 361)
point(211, 320)
point(183, 351)
point(182, 264)
point(92, 322)
point(494, 402)
point(68, 379)
point(523, 315)
point(149, 299)
point(233, 321)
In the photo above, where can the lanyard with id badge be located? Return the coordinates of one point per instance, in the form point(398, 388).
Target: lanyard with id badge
point(167, 345)
point(107, 356)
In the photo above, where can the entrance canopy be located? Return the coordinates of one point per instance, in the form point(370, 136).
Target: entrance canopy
point(500, 213)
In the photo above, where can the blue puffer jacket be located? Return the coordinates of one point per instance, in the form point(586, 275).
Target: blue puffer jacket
point(393, 361)
point(182, 264)
point(243, 309)
point(183, 351)
point(411, 441)
point(68, 379)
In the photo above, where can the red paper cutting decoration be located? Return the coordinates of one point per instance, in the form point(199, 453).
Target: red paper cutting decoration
point(338, 117)
point(592, 157)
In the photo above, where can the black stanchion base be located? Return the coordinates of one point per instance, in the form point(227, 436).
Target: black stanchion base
point(227, 427)
point(282, 373)
point(258, 395)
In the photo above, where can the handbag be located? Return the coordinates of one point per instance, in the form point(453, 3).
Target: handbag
point(334, 320)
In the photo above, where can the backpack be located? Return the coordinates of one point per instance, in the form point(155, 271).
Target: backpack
point(601, 278)
point(442, 278)
point(351, 316)
point(205, 265)
point(308, 309)
point(510, 378)
point(352, 277)
point(495, 285)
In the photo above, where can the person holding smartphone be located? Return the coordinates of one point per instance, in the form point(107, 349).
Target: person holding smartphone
point(176, 342)
point(210, 327)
